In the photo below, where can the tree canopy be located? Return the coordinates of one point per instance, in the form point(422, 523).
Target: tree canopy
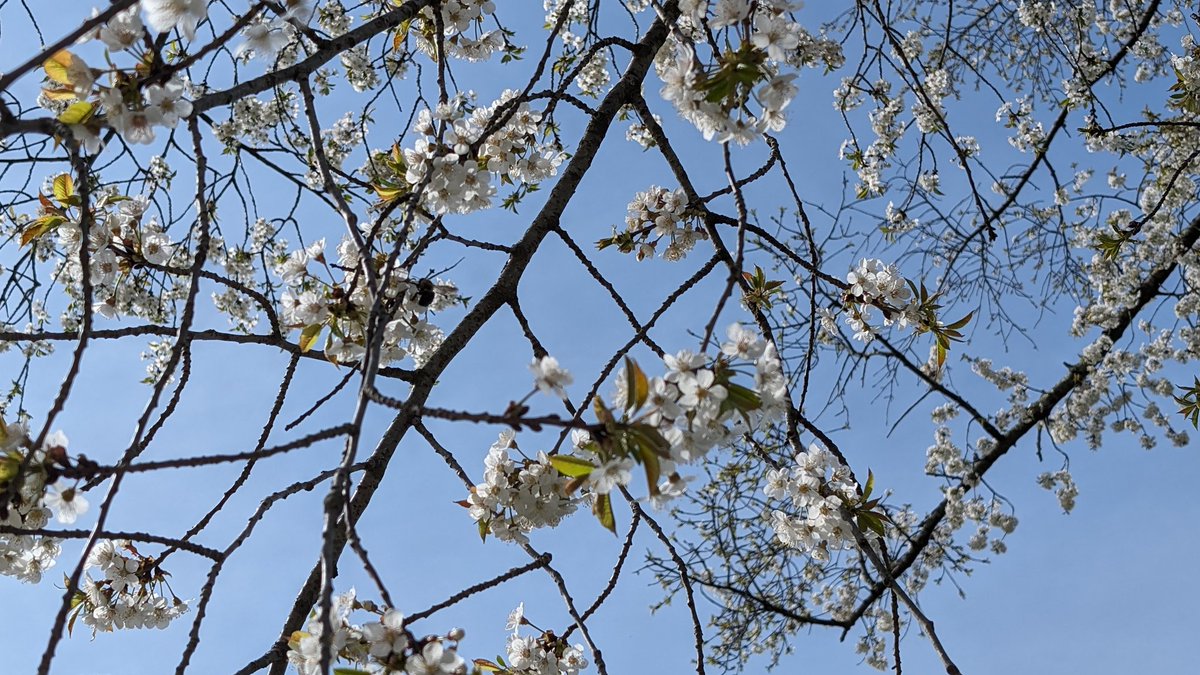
point(700, 272)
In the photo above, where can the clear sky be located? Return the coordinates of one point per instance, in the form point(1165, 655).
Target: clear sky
point(1104, 590)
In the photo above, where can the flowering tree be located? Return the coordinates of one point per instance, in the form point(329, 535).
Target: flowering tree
point(286, 176)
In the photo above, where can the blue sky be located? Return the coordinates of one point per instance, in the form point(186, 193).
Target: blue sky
point(1098, 591)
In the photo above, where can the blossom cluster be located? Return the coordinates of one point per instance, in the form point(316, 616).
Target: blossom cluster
point(518, 496)
point(123, 242)
point(126, 250)
point(455, 179)
point(875, 284)
point(345, 305)
point(1029, 134)
point(337, 142)
point(696, 406)
point(1063, 485)
point(888, 127)
point(928, 111)
point(31, 489)
point(819, 488)
point(659, 215)
point(714, 90)
point(544, 654)
point(457, 18)
point(131, 594)
point(989, 515)
point(383, 645)
point(667, 421)
point(251, 118)
point(133, 103)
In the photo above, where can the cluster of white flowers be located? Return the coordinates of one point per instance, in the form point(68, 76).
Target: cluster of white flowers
point(1029, 134)
point(264, 38)
point(515, 150)
point(1187, 66)
point(989, 515)
point(577, 15)
point(875, 284)
point(684, 414)
point(684, 86)
point(875, 281)
point(130, 595)
point(458, 16)
point(768, 42)
point(1006, 379)
point(944, 457)
point(119, 33)
point(545, 654)
point(157, 356)
point(132, 105)
point(29, 504)
point(251, 119)
point(1063, 485)
point(121, 241)
point(847, 96)
point(639, 133)
point(361, 75)
point(457, 182)
point(885, 121)
point(1035, 14)
point(697, 406)
point(898, 220)
point(239, 264)
point(927, 110)
point(313, 301)
point(660, 215)
point(338, 142)
point(549, 377)
point(593, 78)
point(518, 496)
point(333, 18)
point(135, 117)
point(819, 487)
point(382, 646)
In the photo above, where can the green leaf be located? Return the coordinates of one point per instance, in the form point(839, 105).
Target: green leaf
point(349, 671)
point(308, 336)
point(637, 387)
point(603, 414)
point(870, 485)
point(602, 507)
point(111, 199)
point(60, 93)
point(9, 466)
point(40, 227)
point(57, 67)
point(77, 113)
point(645, 434)
point(575, 467)
point(401, 35)
point(484, 664)
point(962, 322)
point(76, 602)
point(868, 521)
point(649, 459)
point(388, 192)
point(64, 189)
point(742, 398)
